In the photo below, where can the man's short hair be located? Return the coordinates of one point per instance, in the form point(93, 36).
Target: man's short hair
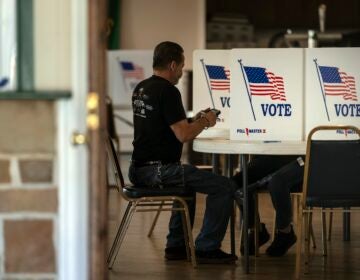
point(165, 53)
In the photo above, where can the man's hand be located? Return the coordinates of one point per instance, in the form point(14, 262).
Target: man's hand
point(200, 114)
point(210, 116)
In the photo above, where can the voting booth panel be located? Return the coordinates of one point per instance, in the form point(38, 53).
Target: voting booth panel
point(126, 68)
point(266, 94)
point(211, 87)
point(332, 95)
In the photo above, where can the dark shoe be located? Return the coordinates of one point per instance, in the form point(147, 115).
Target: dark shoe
point(215, 257)
point(175, 253)
point(264, 237)
point(281, 244)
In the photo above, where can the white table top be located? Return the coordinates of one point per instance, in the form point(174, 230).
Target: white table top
point(226, 146)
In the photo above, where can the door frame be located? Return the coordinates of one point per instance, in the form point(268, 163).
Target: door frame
point(73, 160)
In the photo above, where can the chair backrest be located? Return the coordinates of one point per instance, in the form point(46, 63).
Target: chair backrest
point(332, 170)
point(115, 164)
point(111, 128)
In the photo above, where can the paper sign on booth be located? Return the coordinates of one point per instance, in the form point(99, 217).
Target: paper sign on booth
point(266, 94)
point(126, 68)
point(332, 89)
point(211, 87)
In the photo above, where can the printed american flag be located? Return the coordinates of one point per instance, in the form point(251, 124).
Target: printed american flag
point(263, 82)
point(131, 70)
point(219, 77)
point(3, 82)
point(338, 83)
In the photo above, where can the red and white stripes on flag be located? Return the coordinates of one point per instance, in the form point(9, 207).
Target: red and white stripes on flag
point(263, 82)
point(219, 77)
point(346, 88)
point(338, 83)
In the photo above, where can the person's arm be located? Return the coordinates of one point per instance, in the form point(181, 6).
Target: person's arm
point(185, 131)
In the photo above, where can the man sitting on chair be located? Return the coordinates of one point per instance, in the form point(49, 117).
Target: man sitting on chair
point(160, 129)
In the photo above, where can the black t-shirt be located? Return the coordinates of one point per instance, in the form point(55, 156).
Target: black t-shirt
point(156, 105)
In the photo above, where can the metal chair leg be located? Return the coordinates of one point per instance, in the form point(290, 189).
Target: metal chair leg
point(307, 241)
point(186, 235)
point(312, 235)
point(299, 233)
point(323, 232)
point(155, 220)
point(188, 232)
point(130, 210)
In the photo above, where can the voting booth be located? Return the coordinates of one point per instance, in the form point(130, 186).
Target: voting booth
point(8, 46)
point(332, 96)
point(266, 94)
point(211, 88)
point(126, 68)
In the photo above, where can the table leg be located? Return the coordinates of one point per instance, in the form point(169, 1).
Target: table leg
point(346, 225)
point(245, 212)
point(229, 174)
point(215, 163)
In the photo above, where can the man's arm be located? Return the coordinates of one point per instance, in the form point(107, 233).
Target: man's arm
point(185, 131)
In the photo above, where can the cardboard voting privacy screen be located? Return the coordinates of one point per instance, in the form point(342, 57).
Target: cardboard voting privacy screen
point(332, 97)
point(266, 94)
point(126, 68)
point(8, 45)
point(211, 87)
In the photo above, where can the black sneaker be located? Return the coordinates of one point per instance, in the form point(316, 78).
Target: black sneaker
point(281, 244)
point(264, 237)
point(215, 257)
point(175, 253)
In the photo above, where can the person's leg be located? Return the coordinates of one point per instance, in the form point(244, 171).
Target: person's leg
point(219, 204)
point(259, 167)
point(280, 186)
point(288, 177)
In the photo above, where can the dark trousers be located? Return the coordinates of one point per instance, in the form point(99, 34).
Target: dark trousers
point(219, 201)
point(284, 175)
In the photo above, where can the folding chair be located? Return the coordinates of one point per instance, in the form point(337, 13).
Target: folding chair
point(147, 199)
point(112, 132)
point(331, 180)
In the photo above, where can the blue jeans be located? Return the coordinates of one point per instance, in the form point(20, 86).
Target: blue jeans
point(219, 202)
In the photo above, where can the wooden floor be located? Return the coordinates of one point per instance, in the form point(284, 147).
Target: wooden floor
point(141, 257)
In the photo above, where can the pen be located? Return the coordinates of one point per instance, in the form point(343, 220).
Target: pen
point(272, 141)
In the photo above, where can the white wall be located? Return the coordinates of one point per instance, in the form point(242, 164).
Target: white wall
point(145, 23)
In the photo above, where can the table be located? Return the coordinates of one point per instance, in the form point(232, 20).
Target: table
point(243, 148)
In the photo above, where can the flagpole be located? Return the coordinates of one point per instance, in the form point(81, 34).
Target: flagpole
point(322, 89)
point(207, 82)
point(247, 89)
